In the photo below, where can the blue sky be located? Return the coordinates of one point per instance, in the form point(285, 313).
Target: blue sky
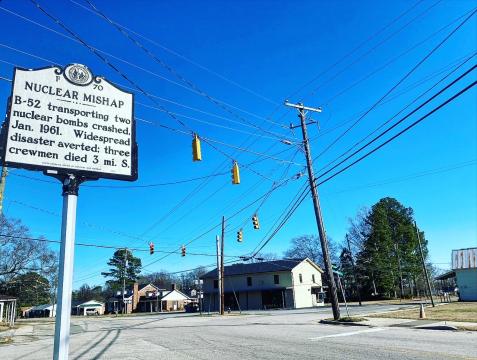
point(252, 55)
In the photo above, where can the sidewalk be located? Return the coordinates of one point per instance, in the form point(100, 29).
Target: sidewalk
point(426, 324)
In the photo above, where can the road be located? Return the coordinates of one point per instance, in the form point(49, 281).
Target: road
point(261, 335)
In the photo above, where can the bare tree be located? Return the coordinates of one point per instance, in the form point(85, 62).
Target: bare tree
point(19, 252)
point(309, 246)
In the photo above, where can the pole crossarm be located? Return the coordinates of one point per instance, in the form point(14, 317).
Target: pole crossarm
point(300, 106)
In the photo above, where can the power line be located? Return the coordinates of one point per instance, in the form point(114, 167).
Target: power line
point(108, 246)
point(351, 52)
point(102, 58)
point(24, 18)
point(378, 45)
point(413, 176)
point(170, 68)
point(409, 73)
point(403, 118)
point(175, 53)
point(410, 87)
point(390, 61)
point(293, 206)
point(467, 88)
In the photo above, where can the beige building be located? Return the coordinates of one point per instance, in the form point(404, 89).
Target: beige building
point(291, 284)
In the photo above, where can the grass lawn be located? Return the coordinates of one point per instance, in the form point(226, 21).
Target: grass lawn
point(458, 311)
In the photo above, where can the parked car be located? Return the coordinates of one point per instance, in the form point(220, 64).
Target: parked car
point(192, 308)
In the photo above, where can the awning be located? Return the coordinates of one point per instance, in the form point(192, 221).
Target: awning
point(447, 275)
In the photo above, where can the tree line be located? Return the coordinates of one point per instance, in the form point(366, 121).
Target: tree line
point(378, 258)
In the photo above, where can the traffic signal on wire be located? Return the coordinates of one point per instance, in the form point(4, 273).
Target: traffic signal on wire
point(256, 224)
point(240, 235)
point(183, 250)
point(196, 150)
point(151, 248)
point(235, 174)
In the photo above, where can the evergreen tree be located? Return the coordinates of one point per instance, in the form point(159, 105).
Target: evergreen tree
point(123, 265)
point(30, 288)
point(388, 257)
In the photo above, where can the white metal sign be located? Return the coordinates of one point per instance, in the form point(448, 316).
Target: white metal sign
point(69, 121)
point(464, 259)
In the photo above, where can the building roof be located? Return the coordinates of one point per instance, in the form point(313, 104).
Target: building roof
point(42, 307)
point(174, 295)
point(7, 298)
point(447, 275)
point(90, 303)
point(254, 268)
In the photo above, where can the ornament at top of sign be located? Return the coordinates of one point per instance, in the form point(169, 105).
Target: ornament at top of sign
point(78, 74)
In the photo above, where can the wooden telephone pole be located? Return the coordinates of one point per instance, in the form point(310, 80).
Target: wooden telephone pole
point(316, 205)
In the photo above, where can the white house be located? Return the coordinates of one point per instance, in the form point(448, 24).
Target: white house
point(91, 307)
point(266, 285)
point(45, 310)
point(464, 264)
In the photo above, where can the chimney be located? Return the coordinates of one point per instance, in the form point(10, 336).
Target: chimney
point(135, 298)
point(173, 287)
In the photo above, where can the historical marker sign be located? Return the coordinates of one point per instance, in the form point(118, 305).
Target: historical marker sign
point(67, 121)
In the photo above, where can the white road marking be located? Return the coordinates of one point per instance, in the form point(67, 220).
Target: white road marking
point(348, 333)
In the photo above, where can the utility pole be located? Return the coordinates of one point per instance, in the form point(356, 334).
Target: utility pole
point(424, 265)
point(396, 248)
point(124, 278)
point(358, 290)
point(219, 276)
point(316, 205)
point(2, 187)
point(222, 305)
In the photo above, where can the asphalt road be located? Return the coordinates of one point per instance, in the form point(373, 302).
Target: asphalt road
point(261, 335)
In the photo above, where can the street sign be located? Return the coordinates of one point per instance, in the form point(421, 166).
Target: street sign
point(67, 121)
point(75, 127)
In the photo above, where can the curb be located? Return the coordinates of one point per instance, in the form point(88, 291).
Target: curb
point(436, 327)
point(345, 323)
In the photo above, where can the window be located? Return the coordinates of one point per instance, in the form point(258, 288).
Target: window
point(276, 279)
point(216, 284)
point(313, 278)
point(249, 281)
point(301, 278)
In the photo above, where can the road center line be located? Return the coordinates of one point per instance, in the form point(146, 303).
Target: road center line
point(348, 333)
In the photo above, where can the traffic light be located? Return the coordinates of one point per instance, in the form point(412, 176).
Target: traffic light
point(235, 174)
point(183, 250)
point(240, 235)
point(151, 248)
point(256, 224)
point(196, 151)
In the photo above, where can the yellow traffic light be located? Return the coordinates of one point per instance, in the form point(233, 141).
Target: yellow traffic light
point(235, 174)
point(183, 250)
point(240, 235)
point(256, 224)
point(196, 150)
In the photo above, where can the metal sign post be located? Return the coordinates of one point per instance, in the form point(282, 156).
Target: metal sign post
point(73, 126)
point(68, 229)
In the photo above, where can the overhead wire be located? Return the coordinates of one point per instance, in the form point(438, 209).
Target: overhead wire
point(391, 61)
point(402, 110)
point(181, 56)
point(170, 69)
point(421, 14)
point(129, 63)
point(362, 56)
point(399, 82)
point(398, 94)
point(422, 118)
